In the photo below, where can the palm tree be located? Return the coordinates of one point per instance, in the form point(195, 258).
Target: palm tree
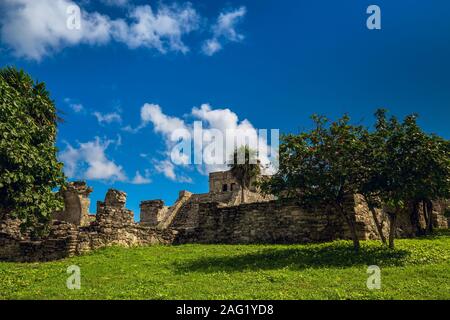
point(244, 170)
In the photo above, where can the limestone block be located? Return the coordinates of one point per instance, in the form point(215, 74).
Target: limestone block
point(115, 198)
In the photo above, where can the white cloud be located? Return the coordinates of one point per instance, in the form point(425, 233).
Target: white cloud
point(161, 30)
point(224, 30)
point(211, 46)
point(130, 129)
point(213, 120)
point(35, 29)
point(76, 107)
point(167, 168)
point(107, 117)
point(162, 123)
point(226, 120)
point(226, 24)
point(221, 119)
point(139, 179)
point(89, 161)
point(70, 158)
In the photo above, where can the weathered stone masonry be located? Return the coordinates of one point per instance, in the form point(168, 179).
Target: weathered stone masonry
point(218, 216)
point(184, 213)
point(114, 226)
point(285, 221)
point(76, 200)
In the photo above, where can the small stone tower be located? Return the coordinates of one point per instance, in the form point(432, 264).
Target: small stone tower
point(76, 204)
point(113, 211)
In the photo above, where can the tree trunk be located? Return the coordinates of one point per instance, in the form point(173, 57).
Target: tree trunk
point(377, 222)
point(352, 226)
point(429, 206)
point(355, 239)
point(425, 215)
point(415, 222)
point(392, 228)
point(242, 194)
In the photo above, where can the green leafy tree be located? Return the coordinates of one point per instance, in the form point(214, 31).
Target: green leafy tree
point(373, 160)
point(245, 167)
point(29, 169)
point(322, 167)
point(431, 172)
point(393, 166)
point(411, 167)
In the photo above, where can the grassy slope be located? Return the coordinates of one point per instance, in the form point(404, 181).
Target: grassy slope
point(417, 269)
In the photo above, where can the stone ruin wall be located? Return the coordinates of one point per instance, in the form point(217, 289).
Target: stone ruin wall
point(184, 213)
point(76, 204)
point(282, 221)
point(215, 217)
point(285, 221)
point(440, 210)
point(114, 225)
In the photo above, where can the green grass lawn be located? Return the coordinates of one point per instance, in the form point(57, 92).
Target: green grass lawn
point(417, 269)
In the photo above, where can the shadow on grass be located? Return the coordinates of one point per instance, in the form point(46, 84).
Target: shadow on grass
point(437, 234)
point(314, 256)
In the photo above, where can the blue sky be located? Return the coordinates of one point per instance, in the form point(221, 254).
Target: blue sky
point(273, 63)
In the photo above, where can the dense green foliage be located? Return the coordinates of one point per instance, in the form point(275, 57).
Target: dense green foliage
point(322, 167)
point(412, 166)
point(417, 269)
point(29, 169)
point(394, 165)
point(408, 167)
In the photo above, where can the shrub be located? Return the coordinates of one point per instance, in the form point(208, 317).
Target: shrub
point(29, 169)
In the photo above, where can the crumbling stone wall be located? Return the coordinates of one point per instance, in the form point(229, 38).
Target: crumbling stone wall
point(183, 198)
point(114, 226)
point(202, 218)
point(76, 204)
point(185, 211)
point(285, 221)
point(438, 215)
point(113, 211)
point(364, 216)
point(10, 236)
point(17, 246)
point(188, 215)
point(269, 222)
point(152, 212)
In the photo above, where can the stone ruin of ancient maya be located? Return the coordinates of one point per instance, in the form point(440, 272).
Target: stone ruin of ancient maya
point(219, 216)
